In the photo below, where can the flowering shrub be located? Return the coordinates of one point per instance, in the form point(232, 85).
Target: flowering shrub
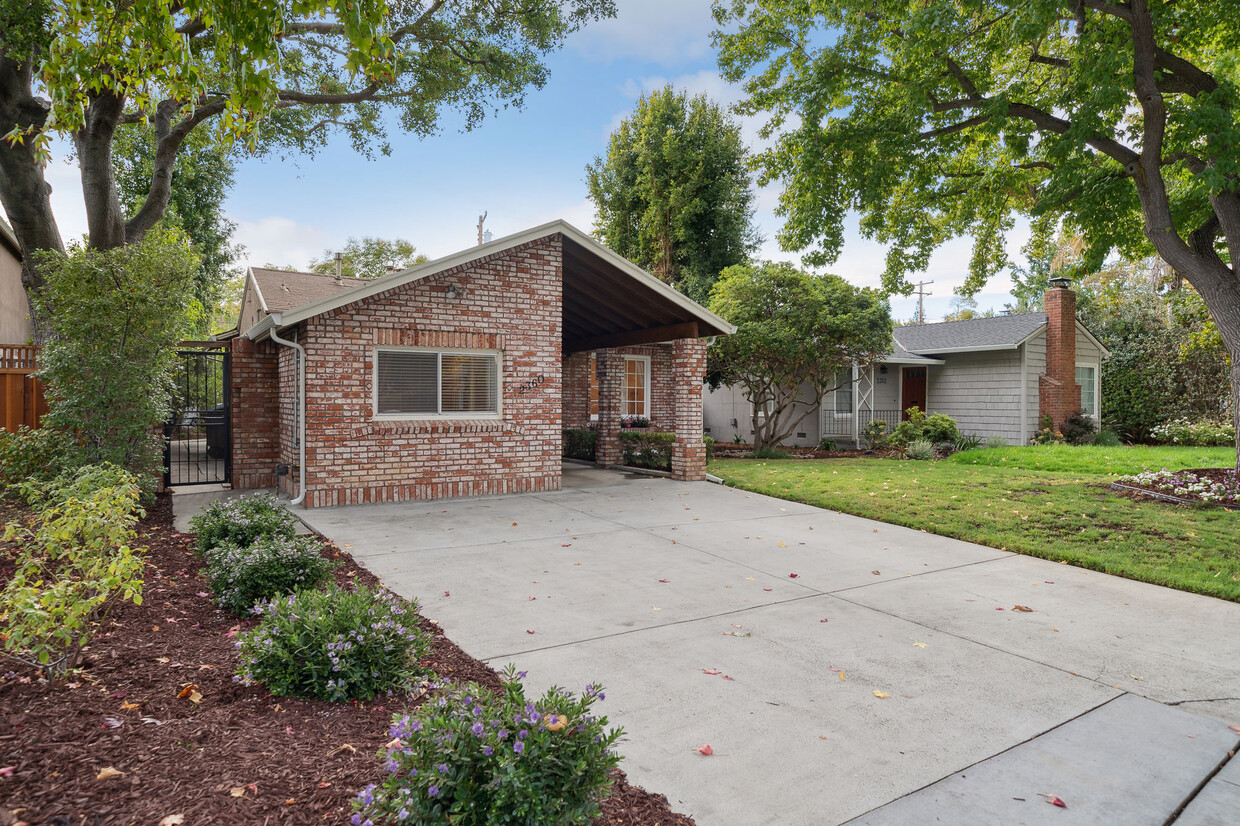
point(270, 567)
point(1190, 485)
point(1200, 434)
point(334, 645)
point(1047, 434)
point(473, 758)
point(634, 421)
point(241, 521)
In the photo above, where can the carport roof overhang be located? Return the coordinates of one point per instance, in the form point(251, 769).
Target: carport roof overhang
point(608, 301)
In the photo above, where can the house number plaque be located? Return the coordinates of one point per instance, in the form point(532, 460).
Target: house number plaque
point(529, 384)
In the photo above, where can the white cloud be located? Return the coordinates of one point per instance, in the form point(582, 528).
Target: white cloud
point(281, 241)
point(659, 31)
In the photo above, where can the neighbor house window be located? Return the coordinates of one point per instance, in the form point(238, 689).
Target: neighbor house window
point(1087, 378)
point(436, 383)
point(636, 398)
point(844, 393)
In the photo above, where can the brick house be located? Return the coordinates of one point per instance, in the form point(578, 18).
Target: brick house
point(994, 376)
point(457, 377)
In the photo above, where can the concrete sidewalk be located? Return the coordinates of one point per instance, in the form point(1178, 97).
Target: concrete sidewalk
point(1113, 695)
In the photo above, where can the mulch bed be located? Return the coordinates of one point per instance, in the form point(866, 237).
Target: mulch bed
point(240, 756)
point(730, 451)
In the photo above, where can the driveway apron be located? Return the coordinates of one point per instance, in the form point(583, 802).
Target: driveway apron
point(865, 671)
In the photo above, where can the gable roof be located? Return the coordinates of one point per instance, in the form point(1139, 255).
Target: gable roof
point(9, 239)
point(1004, 332)
point(282, 290)
point(610, 295)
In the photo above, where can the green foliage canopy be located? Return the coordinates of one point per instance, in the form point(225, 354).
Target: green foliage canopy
point(673, 191)
point(795, 333)
point(369, 257)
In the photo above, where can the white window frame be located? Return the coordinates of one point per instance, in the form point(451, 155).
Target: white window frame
point(496, 355)
point(624, 402)
point(1090, 365)
point(851, 384)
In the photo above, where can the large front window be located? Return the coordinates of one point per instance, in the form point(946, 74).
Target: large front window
point(422, 383)
point(636, 398)
point(844, 393)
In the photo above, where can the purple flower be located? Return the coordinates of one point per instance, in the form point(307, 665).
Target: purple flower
point(488, 751)
point(477, 729)
point(503, 734)
point(522, 734)
point(433, 791)
point(443, 768)
point(520, 675)
point(518, 747)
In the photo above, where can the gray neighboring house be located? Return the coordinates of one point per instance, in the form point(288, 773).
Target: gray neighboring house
point(994, 376)
point(15, 325)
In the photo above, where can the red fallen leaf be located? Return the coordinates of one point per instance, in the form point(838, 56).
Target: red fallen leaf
point(664, 580)
point(566, 545)
point(203, 594)
point(793, 576)
point(877, 573)
point(711, 671)
point(1054, 801)
point(726, 677)
point(1049, 581)
point(232, 632)
point(1234, 728)
point(1024, 609)
point(528, 631)
point(447, 593)
point(288, 729)
point(998, 609)
point(766, 589)
point(324, 784)
point(531, 599)
point(824, 619)
point(705, 749)
point(7, 771)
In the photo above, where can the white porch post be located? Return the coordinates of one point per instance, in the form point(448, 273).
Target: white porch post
point(856, 400)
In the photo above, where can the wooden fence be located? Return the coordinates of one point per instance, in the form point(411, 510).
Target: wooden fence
point(21, 394)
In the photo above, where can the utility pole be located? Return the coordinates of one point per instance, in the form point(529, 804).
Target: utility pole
point(481, 218)
point(921, 300)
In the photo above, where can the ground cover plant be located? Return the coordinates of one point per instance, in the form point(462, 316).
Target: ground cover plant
point(269, 567)
point(242, 520)
point(219, 752)
point(1049, 501)
point(1220, 486)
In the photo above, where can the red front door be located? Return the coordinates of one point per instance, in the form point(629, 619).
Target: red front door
point(913, 388)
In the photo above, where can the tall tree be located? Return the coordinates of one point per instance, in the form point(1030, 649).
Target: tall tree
point(673, 192)
point(796, 334)
point(281, 75)
point(369, 257)
point(201, 179)
point(937, 118)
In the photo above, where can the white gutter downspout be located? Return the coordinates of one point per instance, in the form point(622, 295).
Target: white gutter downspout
point(301, 406)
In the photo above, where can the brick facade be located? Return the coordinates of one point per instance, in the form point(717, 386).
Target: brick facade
point(254, 416)
point(1059, 394)
point(575, 382)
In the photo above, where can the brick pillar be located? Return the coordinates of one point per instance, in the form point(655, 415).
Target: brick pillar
point(575, 391)
point(254, 416)
point(610, 367)
point(1059, 395)
point(688, 370)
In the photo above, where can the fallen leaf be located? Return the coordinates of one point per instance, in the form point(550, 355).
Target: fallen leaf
point(1054, 801)
point(822, 737)
point(781, 544)
point(291, 800)
point(447, 593)
point(766, 589)
point(324, 784)
point(793, 576)
point(203, 594)
point(346, 747)
point(664, 580)
point(882, 695)
point(113, 722)
point(531, 599)
point(711, 671)
point(237, 791)
point(108, 772)
point(705, 749)
point(172, 820)
point(877, 573)
point(566, 545)
point(162, 660)
point(205, 667)
point(824, 619)
point(1234, 728)
point(7, 771)
point(394, 743)
point(1024, 609)
point(253, 787)
point(195, 697)
point(187, 690)
point(726, 677)
point(288, 730)
point(528, 631)
point(514, 524)
point(1135, 677)
point(920, 644)
point(842, 680)
point(998, 609)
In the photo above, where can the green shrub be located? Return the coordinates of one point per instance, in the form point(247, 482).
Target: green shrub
point(267, 568)
point(1079, 429)
point(116, 316)
point(1202, 433)
point(770, 453)
point(967, 441)
point(334, 645)
point(709, 443)
point(920, 449)
point(34, 455)
point(874, 433)
point(646, 449)
point(1047, 434)
point(737, 439)
point(72, 566)
point(1107, 438)
point(242, 520)
point(580, 443)
point(475, 758)
point(903, 433)
point(826, 444)
point(996, 442)
point(939, 428)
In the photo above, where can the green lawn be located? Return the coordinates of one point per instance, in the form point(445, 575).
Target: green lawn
point(1051, 502)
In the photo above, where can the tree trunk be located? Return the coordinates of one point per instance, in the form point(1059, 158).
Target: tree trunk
point(104, 218)
point(24, 191)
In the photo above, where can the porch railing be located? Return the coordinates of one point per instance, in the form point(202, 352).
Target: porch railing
point(842, 425)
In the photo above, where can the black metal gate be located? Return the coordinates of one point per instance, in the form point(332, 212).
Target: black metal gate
point(197, 446)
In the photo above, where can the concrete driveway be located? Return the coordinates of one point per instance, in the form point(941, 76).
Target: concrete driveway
point(1113, 695)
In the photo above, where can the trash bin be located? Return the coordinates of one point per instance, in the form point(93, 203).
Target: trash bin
point(215, 421)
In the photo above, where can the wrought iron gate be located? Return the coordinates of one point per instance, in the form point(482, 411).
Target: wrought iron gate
point(197, 444)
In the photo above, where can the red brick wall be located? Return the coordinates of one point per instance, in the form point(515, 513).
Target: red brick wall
point(254, 414)
point(508, 302)
point(575, 385)
point(688, 368)
point(1059, 395)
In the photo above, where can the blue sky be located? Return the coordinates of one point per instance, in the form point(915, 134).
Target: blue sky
point(523, 167)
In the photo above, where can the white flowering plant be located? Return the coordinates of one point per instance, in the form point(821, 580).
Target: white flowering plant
point(270, 567)
point(1202, 433)
point(472, 757)
point(334, 645)
point(1188, 485)
point(241, 521)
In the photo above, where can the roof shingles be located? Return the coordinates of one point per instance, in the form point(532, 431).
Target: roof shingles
point(285, 289)
point(974, 333)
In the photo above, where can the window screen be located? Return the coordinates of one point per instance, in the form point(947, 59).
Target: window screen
point(1085, 377)
point(430, 383)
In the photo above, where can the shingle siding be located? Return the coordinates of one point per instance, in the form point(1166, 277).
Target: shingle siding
point(981, 391)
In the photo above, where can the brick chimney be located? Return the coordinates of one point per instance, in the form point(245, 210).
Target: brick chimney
point(1058, 392)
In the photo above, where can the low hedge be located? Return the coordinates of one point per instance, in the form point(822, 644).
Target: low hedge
point(648, 449)
point(580, 443)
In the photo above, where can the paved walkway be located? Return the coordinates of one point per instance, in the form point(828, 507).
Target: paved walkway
point(1113, 695)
